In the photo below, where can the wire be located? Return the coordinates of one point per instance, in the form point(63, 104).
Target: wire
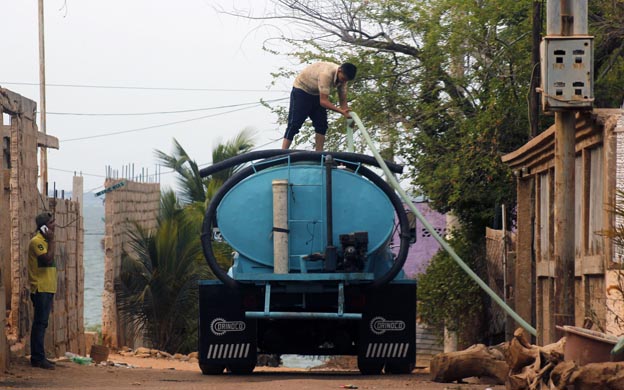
point(81, 173)
point(156, 126)
point(146, 88)
point(163, 112)
point(155, 174)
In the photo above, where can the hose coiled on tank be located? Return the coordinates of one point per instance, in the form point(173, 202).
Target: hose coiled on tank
point(299, 156)
point(264, 154)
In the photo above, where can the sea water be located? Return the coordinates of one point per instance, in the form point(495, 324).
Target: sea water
point(93, 212)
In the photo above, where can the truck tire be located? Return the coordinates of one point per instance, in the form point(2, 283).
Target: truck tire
point(399, 368)
point(211, 369)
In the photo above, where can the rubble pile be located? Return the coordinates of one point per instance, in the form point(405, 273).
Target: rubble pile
point(143, 352)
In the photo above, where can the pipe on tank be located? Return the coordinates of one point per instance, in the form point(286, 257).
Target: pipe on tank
point(330, 250)
point(280, 226)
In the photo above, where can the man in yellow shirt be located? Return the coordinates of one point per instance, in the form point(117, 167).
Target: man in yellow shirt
point(309, 98)
point(43, 279)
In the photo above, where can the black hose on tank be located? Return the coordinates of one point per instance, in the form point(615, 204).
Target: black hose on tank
point(211, 212)
point(264, 154)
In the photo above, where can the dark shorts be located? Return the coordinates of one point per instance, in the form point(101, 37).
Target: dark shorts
point(303, 106)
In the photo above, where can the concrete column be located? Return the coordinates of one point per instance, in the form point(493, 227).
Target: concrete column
point(564, 219)
point(280, 226)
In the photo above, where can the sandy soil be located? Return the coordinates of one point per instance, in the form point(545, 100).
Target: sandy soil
point(160, 374)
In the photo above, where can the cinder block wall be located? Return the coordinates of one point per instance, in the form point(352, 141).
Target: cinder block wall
point(131, 203)
point(20, 202)
point(67, 323)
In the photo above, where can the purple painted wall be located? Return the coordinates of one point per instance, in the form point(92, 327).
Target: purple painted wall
point(425, 246)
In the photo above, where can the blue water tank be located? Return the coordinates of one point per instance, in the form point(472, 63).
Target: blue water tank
point(245, 215)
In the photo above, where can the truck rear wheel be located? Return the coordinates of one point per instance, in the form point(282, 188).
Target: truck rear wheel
point(370, 367)
point(241, 369)
point(211, 369)
point(399, 367)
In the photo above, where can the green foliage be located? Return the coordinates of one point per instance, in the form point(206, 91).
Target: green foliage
point(607, 25)
point(442, 85)
point(157, 289)
point(447, 296)
point(194, 188)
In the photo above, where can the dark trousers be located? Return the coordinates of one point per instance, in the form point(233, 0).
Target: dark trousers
point(304, 106)
point(42, 302)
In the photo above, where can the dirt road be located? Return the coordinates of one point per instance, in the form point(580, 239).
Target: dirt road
point(175, 375)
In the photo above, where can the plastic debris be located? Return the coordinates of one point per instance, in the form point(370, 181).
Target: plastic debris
point(348, 387)
point(78, 359)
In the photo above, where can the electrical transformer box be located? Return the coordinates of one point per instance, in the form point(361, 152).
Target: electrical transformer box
point(567, 73)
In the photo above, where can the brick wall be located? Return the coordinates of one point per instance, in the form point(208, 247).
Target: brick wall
point(20, 202)
point(133, 202)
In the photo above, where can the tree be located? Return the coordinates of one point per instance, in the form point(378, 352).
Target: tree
point(435, 78)
point(438, 77)
point(157, 291)
point(445, 282)
point(606, 20)
point(442, 86)
point(194, 188)
point(195, 192)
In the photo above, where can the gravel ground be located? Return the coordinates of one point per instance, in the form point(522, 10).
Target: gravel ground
point(160, 374)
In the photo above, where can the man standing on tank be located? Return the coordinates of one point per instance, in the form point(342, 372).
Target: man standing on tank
point(309, 98)
point(42, 276)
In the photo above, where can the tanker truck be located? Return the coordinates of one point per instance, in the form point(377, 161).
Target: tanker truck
point(318, 243)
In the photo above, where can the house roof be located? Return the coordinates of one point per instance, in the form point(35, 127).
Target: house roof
point(589, 128)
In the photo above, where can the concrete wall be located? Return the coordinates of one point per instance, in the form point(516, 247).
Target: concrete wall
point(130, 203)
point(20, 202)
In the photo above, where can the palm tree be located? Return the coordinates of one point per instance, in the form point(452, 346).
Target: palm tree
point(194, 188)
point(195, 191)
point(156, 291)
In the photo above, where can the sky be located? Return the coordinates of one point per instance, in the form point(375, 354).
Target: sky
point(141, 57)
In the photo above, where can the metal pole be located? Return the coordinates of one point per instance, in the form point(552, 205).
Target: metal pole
point(330, 250)
point(42, 102)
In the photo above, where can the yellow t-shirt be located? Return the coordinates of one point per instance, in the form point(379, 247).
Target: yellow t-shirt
point(42, 276)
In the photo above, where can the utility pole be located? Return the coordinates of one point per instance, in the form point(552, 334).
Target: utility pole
point(43, 152)
point(567, 88)
point(535, 59)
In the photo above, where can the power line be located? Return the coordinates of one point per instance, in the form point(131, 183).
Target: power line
point(147, 88)
point(74, 172)
point(164, 112)
point(155, 174)
point(156, 126)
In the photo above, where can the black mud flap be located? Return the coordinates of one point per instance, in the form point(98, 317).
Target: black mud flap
point(226, 338)
point(388, 330)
